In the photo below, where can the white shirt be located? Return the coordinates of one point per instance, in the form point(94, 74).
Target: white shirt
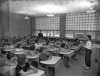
point(38, 45)
point(88, 45)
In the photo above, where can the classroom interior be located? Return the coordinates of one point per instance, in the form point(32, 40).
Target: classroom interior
point(47, 37)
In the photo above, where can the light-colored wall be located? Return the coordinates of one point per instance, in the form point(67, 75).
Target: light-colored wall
point(18, 26)
point(4, 21)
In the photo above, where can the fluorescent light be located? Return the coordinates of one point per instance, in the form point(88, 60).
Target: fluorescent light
point(50, 15)
point(26, 17)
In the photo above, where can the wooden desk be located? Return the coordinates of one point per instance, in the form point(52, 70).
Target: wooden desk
point(74, 47)
point(19, 53)
point(33, 58)
point(53, 60)
point(32, 73)
point(52, 49)
point(9, 49)
point(67, 52)
point(52, 63)
point(19, 49)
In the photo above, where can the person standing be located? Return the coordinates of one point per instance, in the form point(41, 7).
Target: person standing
point(88, 52)
point(40, 34)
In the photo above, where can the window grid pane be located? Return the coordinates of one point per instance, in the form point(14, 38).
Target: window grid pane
point(48, 25)
point(82, 21)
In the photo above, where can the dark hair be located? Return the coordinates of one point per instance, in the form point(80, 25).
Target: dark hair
point(10, 55)
point(63, 45)
point(40, 50)
point(89, 37)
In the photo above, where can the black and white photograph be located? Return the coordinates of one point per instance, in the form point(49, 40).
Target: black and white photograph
point(49, 37)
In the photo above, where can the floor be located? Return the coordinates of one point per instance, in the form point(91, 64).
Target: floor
point(76, 68)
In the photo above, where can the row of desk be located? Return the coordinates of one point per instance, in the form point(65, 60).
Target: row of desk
point(51, 63)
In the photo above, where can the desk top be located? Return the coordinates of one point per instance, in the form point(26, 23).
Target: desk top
point(33, 57)
point(75, 47)
point(31, 73)
point(14, 49)
point(52, 49)
point(66, 52)
point(19, 53)
point(52, 60)
point(19, 49)
point(9, 49)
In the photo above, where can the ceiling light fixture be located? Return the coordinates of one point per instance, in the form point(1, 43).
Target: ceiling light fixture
point(26, 17)
point(50, 15)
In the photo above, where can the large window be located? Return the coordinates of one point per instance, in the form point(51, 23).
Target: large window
point(80, 23)
point(49, 26)
point(75, 23)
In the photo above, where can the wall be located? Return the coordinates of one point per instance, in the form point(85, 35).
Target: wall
point(18, 26)
point(4, 20)
point(12, 24)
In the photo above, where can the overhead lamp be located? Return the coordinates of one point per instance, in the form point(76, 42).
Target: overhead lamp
point(26, 17)
point(50, 15)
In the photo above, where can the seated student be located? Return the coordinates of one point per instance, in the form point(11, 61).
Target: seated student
point(2, 51)
point(65, 57)
point(63, 45)
point(2, 64)
point(23, 65)
point(28, 42)
point(2, 60)
point(76, 43)
point(21, 61)
point(38, 45)
point(32, 47)
point(44, 55)
point(18, 45)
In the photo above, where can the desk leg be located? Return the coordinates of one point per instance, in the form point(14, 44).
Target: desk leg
point(66, 61)
point(51, 71)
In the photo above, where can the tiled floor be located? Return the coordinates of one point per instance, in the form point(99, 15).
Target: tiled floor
point(76, 69)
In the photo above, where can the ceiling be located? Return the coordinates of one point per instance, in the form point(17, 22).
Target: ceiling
point(45, 7)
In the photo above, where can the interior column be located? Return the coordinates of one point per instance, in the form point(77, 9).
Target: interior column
point(62, 25)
